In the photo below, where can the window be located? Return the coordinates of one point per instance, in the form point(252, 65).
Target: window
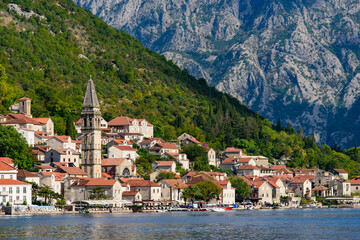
point(74, 159)
point(24, 190)
point(4, 199)
point(4, 189)
point(24, 198)
point(158, 191)
point(2, 176)
point(10, 199)
point(17, 197)
point(11, 176)
point(10, 190)
point(17, 189)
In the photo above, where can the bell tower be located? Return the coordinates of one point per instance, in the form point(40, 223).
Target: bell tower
point(91, 133)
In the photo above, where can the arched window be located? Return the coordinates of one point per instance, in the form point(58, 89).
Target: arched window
point(126, 172)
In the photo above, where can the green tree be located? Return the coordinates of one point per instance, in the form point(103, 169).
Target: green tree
point(242, 189)
point(97, 193)
point(208, 190)
point(14, 146)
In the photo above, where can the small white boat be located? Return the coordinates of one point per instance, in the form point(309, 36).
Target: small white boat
point(217, 209)
point(251, 207)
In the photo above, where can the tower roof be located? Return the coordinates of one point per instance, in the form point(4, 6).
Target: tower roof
point(91, 99)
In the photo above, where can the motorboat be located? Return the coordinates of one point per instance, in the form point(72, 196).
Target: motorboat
point(217, 209)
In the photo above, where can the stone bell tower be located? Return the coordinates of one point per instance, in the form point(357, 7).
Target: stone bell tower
point(91, 133)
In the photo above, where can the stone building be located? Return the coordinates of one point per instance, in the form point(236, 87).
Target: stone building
point(91, 132)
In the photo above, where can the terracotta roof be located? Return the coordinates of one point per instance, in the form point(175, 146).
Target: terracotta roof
point(149, 140)
point(244, 159)
point(23, 174)
point(319, 188)
point(112, 161)
point(6, 160)
point(24, 99)
point(73, 170)
point(277, 167)
point(168, 145)
point(141, 183)
point(125, 148)
point(129, 193)
point(228, 160)
point(193, 140)
point(105, 175)
point(165, 163)
point(58, 176)
point(12, 182)
point(62, 138)
point(6, 167)
point(272, 182)
point(299, 179)
point(95, 182)
point(354, 182)
point(232, 150)
point(44, 167)
point(258, 182)
point(64, 151)
point(124, 180)
point(199, 179)
point(122, 141)
point(248, 167)
point(222, 184)
point(42, 120)
point(120, 121)
point(215, 173)
point(175, 183)
point(12, 118)
point(340, 170)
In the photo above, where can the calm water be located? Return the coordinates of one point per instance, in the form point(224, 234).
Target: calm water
point(258, 224)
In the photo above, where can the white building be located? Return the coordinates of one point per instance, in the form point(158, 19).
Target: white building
point(118, 151)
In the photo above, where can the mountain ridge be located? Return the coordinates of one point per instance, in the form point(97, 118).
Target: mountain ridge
point(293, 60)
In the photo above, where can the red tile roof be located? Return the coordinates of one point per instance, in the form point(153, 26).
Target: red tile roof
point(72, 170)
point(175, 183)
point(193, 140)
point(129, 193)
point(5, 167)
point(340, 170)
point(12, 182)
point(141, 183)
point(58, 176)
point(125, 148)
point(44, 167)
point(42, 120)
point(112, 161)
point(248, 167)
point(96, 182)
point(23, 174)
point(299, 179)
point(165, 163)
point(319, 188)
point(168, 145)
point(228, 160)
point(62, 138)
point(232, 150)
point(105, 175)
point(124, 180)
point(354, 182)
point(12, 118)
point(23, 99)
point(277, 167)
point(6, 160)
point(120, 121)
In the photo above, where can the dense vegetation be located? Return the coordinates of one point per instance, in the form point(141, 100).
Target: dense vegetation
point(50, 59)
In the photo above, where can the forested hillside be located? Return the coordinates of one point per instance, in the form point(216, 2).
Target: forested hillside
point(49, 49)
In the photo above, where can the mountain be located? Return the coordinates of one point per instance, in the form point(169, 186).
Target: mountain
point(50, 48)
point(294, 60)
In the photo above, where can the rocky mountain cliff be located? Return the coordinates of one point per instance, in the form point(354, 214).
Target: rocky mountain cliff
point(297, 60)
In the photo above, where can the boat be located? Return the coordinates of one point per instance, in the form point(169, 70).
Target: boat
point(217, 209)
point(250, 207)
point(197, 209)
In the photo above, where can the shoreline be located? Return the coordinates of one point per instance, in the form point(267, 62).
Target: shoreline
point(155, 211)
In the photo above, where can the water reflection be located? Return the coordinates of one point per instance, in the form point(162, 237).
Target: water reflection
point(277, 224)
